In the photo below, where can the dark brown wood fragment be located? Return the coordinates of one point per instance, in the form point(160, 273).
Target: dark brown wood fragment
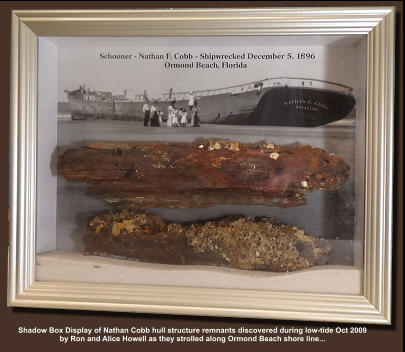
point(237, 242)
point(211, 172)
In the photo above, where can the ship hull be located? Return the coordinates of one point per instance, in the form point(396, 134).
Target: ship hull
point(128, 110)
point(83, 110)
point(299, 107)
point(273, 106)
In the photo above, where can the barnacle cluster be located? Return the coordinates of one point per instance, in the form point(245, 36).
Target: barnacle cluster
point(256, 244)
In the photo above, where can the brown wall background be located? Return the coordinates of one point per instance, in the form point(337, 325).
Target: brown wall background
point(377, 338)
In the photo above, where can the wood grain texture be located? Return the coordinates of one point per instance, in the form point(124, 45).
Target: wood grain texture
point(201, 174)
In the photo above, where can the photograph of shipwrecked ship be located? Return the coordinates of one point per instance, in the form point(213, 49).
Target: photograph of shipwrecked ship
point(279, 101)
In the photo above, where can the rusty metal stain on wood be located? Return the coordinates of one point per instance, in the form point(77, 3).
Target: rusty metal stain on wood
point(201, 174)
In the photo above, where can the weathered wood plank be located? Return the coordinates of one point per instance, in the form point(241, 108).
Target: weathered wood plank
point(201, 174)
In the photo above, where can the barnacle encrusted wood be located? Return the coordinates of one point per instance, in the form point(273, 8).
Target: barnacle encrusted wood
point(201, 174)
point(237, 242)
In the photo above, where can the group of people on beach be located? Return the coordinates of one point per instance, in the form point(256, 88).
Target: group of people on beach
point(176, 117)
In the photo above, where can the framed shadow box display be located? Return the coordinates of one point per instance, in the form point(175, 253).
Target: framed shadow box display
point(227, 162)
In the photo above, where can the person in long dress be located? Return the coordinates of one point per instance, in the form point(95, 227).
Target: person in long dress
point(195, 118)
point(154, 114)
point(175, 119)
point(170, 113)
point(191, 100)
point(183, 121)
